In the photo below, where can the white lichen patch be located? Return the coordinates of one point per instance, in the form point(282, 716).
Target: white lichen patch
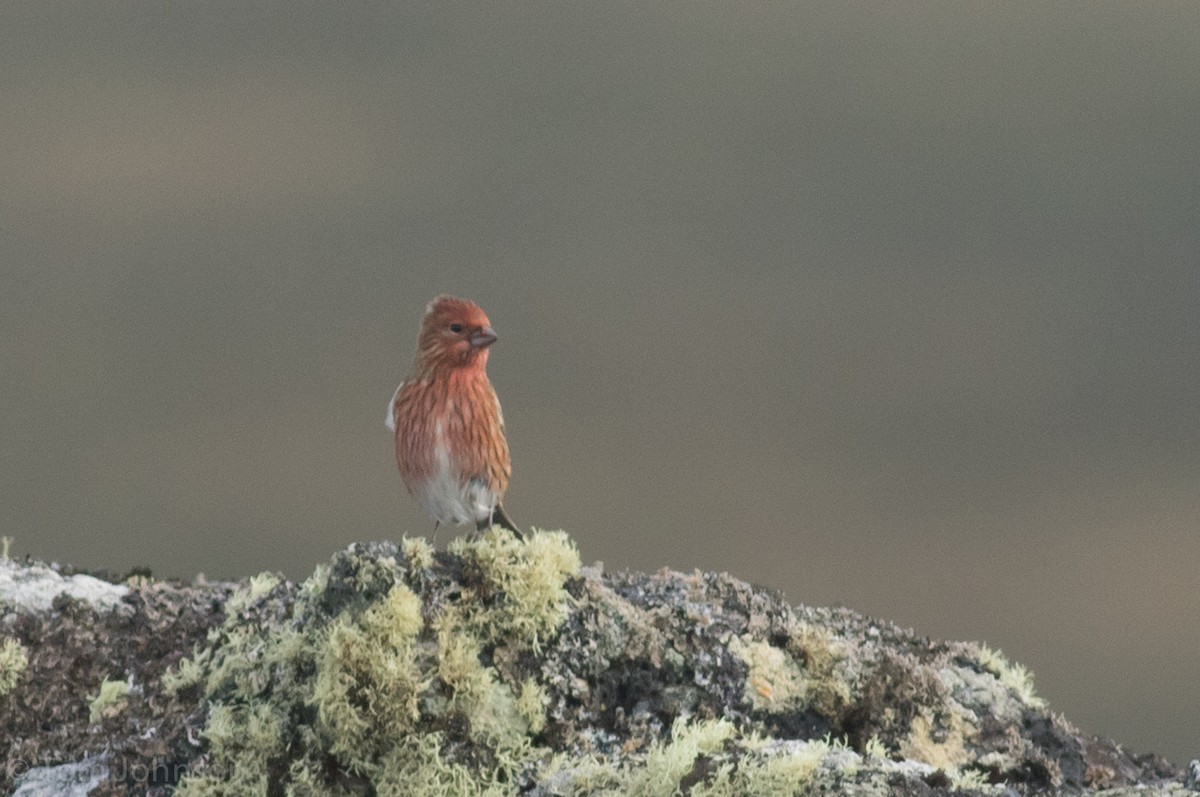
point(33, 588)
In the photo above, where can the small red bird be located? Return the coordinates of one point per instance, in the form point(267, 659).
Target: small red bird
point(447, 422)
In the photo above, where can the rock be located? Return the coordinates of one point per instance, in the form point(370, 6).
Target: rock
point(33, 587)
point(64, 780)
point(503, 667)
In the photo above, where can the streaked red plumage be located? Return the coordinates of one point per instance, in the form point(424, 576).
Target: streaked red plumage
point(449, 431)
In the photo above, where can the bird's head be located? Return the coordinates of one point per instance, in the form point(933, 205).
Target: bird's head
point(455, 333)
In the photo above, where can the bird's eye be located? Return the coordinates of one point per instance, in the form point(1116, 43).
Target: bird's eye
point(456, 327)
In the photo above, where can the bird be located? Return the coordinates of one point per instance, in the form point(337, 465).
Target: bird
point(446, 420)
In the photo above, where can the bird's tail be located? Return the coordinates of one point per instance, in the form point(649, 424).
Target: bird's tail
point(499, 518)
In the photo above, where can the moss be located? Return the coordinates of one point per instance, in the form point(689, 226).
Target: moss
point(489, 706)
point(13, 661)
point(109, 701)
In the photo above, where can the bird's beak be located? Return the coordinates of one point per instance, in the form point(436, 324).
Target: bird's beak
point(483, 337)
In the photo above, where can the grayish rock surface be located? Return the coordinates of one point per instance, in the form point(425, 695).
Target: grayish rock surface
point(33, 587)
point(78, 779)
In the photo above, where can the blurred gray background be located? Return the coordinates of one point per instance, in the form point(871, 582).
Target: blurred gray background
point(889, 305)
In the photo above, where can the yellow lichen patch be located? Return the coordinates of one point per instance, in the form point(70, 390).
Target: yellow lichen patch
point(526, 580)
point(1014, 676)
point(775, 682)
point(397, 618)
point(110, 701)
point(13, 661)
point(940, 744)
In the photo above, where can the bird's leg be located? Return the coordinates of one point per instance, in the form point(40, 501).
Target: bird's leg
point(498, 517)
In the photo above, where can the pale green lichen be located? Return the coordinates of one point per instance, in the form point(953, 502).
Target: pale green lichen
point(762, 773)
point(667, 762)
point(378, 681)
point(369, 678)
point(531, 705)
point(972, 780)
point(418, 552)
point(188, 673)
point(256, 588)
point(774, 680)
point(1016, 677)
point(716, 759)
point(13, 661)
point(490, 705)
point(875, 748)
point(529, 576)
point(826, 667)
point(940, 741)
point(109, 701)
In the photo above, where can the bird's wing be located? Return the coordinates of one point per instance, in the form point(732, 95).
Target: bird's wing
point(390, 420)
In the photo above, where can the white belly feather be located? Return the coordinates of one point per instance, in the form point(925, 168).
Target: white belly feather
point(445, 499)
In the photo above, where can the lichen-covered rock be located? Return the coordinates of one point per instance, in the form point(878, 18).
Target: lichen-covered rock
point(503, 667)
